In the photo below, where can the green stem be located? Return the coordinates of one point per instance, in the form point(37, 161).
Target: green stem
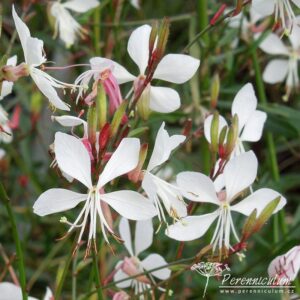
point(20, 258)
point(97, 276)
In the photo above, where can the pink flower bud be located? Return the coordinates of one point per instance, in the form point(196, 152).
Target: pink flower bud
point(121, 296)
point(11, 73)
point(130, 266)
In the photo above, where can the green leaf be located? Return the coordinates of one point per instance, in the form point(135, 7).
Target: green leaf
point(249, 224)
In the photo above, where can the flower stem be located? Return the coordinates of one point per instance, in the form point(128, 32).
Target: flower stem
point(4, 198)
point(97, 275)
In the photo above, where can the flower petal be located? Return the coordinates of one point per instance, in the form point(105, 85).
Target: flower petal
point(258, 200)
point(191, 228)
point(69, 121)
point(239, 173)
point(272, 44)
point(197, 187)
point(123, 160)
point(276, 71)
point(130, 204)
point(153, 261)
point(35, 56)
point(57, 200)
point(177, 68)
point(253, 129)
point(138, 47)
point(244, 104)
point(124, 230)
point(297, 3)
point(48, 295)
point(207, 126)
point(163, 99)
point(73, 158)
point(143, 236)
point(81, 6)
point(164, 145)
point(264, 7)
point(10, 291)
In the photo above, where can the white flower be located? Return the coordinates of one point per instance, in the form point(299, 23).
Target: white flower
point(239, 174)
point(73, 159)
point(175, 68)
point(34, 57)
point(280, 8)
point(133, 265)
point(135, 3)
point(250, 120)
point(163, 194)
point(65, 24)
point(8, 85)
point(285, 68)
point(286, 266)
point(10, 291)
point(6, 134)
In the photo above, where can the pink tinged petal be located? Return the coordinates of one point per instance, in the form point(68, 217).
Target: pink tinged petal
point(258, 200)
point(272, 44)
point(239, 173)
point(123, 160)
point(48, 295)
point(197, 187)
point(124, 230)
point(264, 7)
point(191, 228)
point(143, 236)
point(164, 145)
point(207, 126)
point(57, 200)
point(121, 275)
point(22, 30)
point(44, 85)
point(176, 68)
point(73, 158)
point(286, 266)
point(276, 71)
point(153, 261)
point(81, 6)
point(130, 205)
point(164, 100)
point(138, 47)
point(244, 104)
point(253, 129)
point(35, 56)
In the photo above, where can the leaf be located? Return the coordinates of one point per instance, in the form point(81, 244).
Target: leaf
point(249, 225)
point(137, 131)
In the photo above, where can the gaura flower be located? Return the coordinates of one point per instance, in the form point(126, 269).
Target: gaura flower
point(250, 120)
point(132, 265)
point(65, 24)
point(285, 68)
point(282, 9)
point(6, 135)
point(34, 57)
point(175, 68)
point(239, 174)
point(286, 266)
point(164, 195)
point(8, 85)
point(73, 159)
point(10, 291)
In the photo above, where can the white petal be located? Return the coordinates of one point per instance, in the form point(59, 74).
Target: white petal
point(120, 73)
point(177, 68)
point(10, 291)
point(12, 61)
point(164, 100)
point(253, 129)
point(297, 3)
point(207, 126)
point(135, 3)
point(48, 90)
point(191, 228)
point(124, 159)
point(124, 230)
point(57, 200)
point(276, 71)
point(143, 236)
point(22, 30)
point(2, 153)
point(70, 121)
point(73, 158)
point(264, 7)
point(197, 187)
point(244, 104)
point(121, 275)
point(155, 261)
point(49, 294)
point(272, 44)
point(258, 200)
point(81, 6)
point(130, 205)
point(35, 55)
point(164, 145)
point(295, 34)
point(138, 47)
point(6, 89)
point(239, 173)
